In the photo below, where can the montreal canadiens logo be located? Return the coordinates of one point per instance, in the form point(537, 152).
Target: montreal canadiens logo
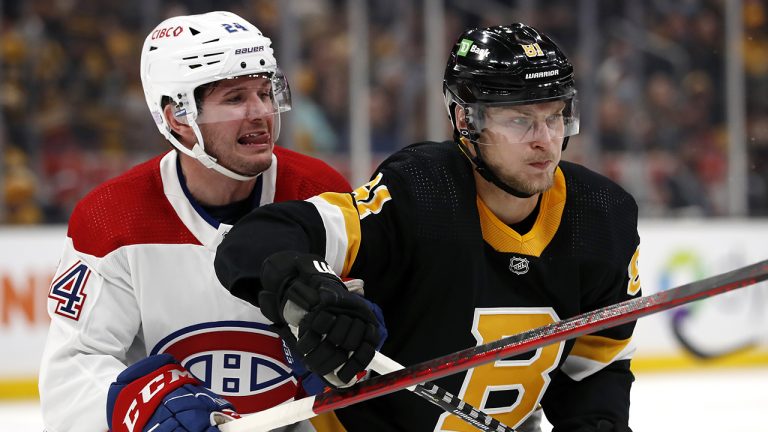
point(241, 361)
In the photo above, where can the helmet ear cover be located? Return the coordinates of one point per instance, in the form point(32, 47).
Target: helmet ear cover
point(199, 93)
point(179, 112)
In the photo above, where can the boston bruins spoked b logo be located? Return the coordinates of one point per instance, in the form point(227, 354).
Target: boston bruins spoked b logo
point(518, 265)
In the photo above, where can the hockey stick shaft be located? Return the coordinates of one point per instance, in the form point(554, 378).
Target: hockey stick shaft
point(442, 398)
point(590, 322)
point(303, 409)
point(382, 365)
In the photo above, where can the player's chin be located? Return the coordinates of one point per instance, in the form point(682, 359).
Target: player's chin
point(541, 185)
point(255, 166)
point(530, 184)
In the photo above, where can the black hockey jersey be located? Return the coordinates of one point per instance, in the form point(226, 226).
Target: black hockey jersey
point(450, 275)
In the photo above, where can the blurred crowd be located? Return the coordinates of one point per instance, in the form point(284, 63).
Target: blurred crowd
point(651, 75)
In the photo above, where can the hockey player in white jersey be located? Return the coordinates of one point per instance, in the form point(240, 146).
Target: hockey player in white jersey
point(135, 300)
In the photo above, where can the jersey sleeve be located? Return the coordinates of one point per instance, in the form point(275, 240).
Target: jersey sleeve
point(571, 405)
point(94, 321)
point(359, 234)
point(375, 237)
point(598, 365)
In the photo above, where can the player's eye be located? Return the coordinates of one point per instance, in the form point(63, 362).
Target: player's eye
point(235, 98)
point(555, 120)
point(520, 122)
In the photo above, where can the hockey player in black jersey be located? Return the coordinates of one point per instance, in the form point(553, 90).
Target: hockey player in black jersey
point(461, 243)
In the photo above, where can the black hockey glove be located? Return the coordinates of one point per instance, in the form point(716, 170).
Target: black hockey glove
point(338, 332)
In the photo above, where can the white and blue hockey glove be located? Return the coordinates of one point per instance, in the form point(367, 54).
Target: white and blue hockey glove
point(338, 331)
point(157, 394)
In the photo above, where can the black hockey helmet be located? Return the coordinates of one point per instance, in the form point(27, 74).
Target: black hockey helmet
point(508, 64)
point(505, 65)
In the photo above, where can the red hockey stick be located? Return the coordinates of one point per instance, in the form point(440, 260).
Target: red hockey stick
point(590, 322)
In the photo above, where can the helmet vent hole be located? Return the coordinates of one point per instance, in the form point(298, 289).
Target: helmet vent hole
point(242, 65)
point(194, 66)
point(152, 48)
point(193, 31)
point(189, 58)
point(213, 62)
point(212, 40)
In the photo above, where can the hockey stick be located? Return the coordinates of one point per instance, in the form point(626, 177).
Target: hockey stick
point(380, 364)
point(589, 322)
point(451, 404)
point(448, 402)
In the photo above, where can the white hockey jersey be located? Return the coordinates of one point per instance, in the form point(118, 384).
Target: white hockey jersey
point(136, 278)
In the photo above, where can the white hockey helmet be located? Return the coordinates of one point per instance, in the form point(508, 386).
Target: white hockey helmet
point(185, 52)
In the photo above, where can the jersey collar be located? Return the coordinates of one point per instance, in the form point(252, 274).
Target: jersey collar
point(206, 229)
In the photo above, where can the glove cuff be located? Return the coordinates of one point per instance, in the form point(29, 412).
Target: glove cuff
point(138, 400)
point(223, 416)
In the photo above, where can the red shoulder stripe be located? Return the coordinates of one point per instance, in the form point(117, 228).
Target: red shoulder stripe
point(129, 209)
point(300, 176)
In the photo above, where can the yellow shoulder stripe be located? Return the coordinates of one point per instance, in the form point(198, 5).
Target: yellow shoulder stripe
point(346, 205)
point(598, 348)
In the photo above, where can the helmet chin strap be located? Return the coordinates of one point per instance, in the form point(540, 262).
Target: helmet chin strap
point(209, 161)
point(198, 152)
point(483, 169)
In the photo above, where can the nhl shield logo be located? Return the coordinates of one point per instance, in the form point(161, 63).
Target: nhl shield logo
point(518, 265)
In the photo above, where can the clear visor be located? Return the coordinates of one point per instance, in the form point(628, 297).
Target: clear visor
point(500, 124)
point(259, 96)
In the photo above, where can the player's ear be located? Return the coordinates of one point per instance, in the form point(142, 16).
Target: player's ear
point(460, 116)
point(177, 123)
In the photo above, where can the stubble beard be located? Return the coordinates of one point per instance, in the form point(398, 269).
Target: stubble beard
point(522, 183)
point(530, 187)
point(253, 169)
point(525, 185)
point(231, 162)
